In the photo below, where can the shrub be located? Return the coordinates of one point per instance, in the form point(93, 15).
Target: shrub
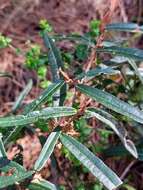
point(90, 79)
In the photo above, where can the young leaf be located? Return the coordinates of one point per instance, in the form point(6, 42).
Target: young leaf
point(41, 184)
point(133, 53)
point(42, 99)
point(22, 95)
point(32, 117)
point(97, 71)
point(93, 163)
point(109, 120)
point(46, 150)
point(125, 27)
point(111, 102)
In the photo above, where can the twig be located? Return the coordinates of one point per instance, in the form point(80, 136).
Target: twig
point(123, 12)
point(125, 172)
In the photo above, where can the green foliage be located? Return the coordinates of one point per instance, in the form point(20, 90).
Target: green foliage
point(83, 128)
point(112, 102)
point(45, 26)
point(22, 95)
point(47, 150)
point(33, 57)
point(60, 112)
point(125, 27)
point(4, 41)
point(94, 27)
point(82, 52)
point(94, 164)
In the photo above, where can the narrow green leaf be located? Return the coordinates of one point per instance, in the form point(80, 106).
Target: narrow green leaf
point(42, 99)
point(41, 184)
point(133, 53)
point(47, 150)
point(19, 174)
point(2, 149)
point(111, 102)
point(12, 165)
point(32, 117)
point(120, 151)
point(13, 134)
point(93, 163)
point(4, 162)
point(22, 95)
point(125, 27)
point(55, 60)
point(97, 71)
point(109, 120)
point(10, 180)
point(76, 38)
point(120, 60)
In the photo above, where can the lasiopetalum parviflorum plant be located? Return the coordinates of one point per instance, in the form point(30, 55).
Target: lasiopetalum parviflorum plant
point(89, 82)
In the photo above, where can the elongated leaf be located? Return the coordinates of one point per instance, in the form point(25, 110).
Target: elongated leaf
point(22, 95)
point(4, 162)
point(11, 165)
point(97, 71)
point(76, 38)
point(112, 102)
point(111, 43)
point(55, 62)
point(42, 99)
point(125, 27)
point(19, 174)
point(120, 60)
point(131, 73)
point(13, 134)
point(109, 120)
point(116, 61)
point(32, 117)
point(5, 75)
point(133, 64)
point(120, 151)
point(41, 184)
point(133, 53)
point(3, 157)
point(93, 163)
point(2, 149)
point(54, 57)
point(10, 180)
point(46, 150)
